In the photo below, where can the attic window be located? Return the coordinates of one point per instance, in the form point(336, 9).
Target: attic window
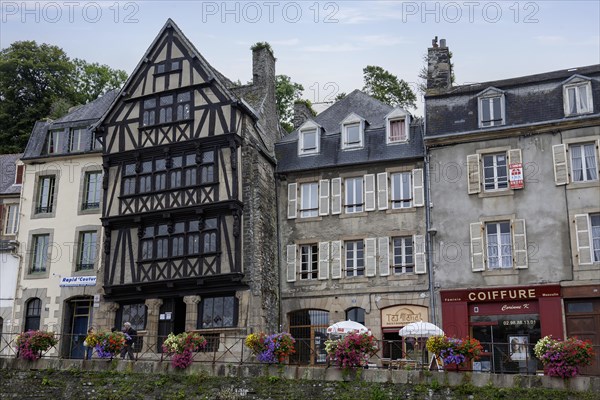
point(397, 125)
point(167, 66)
point(577, 98)
point(54, 143)
point(491, 110)
point(309, 141)
point(352, 135)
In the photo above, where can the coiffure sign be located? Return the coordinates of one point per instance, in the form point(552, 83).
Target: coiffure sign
point(500, 294)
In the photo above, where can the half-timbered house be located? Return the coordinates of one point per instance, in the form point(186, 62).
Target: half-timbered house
point(189, 217)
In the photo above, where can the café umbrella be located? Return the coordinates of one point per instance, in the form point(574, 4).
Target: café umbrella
point(344, 327)
point(420, 329)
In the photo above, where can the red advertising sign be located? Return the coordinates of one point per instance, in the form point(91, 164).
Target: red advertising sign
point(504, 294)
point(516, 176)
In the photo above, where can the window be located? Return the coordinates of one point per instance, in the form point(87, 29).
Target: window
point(397, 131)
point(491, 111)
point(135, 314)
point(39, 253)
point(354, 195)
point(207, 167)
point(209, 236)
point(309, 193)
point(92, 190)
point(578, 98)
point(403, 255)
point(309, 141)
point(499, 246)
point(583, 162)
point(88, 244)
point(352, 136)
point(595, 232)
point(355, 261)
point(54, 143)
point(19, 174)
point(356, 314)
point(96, 141)
point(309, 260)
point(32, 314)
point(167, 66)
point(12, 219)
point(495, 172)
point(77, 140)
point(45, 201)
point(182, 239)
point(168, 108)
point(401, 190)
point(309, 328)
point(217, 312)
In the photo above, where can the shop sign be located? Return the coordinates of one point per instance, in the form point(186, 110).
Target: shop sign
point(500, 294)
point(508, 308)
point(516, 176)
point(403, 315)
point(78, 281)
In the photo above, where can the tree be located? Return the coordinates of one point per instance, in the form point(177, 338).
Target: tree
point(40, 81)
point(286, 93)
point(387, 87)
point(32, 78)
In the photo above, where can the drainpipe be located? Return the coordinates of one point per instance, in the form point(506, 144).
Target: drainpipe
point(278, 233)
point(429, 232)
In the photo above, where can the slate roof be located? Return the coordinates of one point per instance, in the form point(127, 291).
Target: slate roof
point(529, 100)
point(331, 154)
point(83, 116)
point(8, 168)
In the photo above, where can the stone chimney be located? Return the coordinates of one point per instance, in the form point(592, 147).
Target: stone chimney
point(301, 113)
point(439, 68)
point(263, 77)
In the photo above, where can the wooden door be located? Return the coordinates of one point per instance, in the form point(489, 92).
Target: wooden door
point(583, 322)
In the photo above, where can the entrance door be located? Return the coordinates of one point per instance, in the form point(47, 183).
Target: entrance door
point(171, 319)
point(583, 322)
point(81, 313)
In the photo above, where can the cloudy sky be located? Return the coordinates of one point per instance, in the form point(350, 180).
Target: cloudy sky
point(324, 45)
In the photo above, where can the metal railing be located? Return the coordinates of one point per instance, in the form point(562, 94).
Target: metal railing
point(499, 358)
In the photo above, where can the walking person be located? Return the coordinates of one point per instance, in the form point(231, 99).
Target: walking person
point(130, 336)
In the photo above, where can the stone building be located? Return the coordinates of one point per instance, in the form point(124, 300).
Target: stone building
point(60, 230)
point(11, 180)
point(515, 197)
point(189, 222)
point(352, 224)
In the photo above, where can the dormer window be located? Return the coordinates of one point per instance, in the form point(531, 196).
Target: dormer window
point(491, 108)
point(577, 96)
point(397, 126)
point(352, 132)
point(54, 143)
point(308, 138)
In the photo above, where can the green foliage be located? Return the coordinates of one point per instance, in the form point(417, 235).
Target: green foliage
point(387, 87)
point(261, 45)
point(40, 81)
point(340, 96)
point(286, 93)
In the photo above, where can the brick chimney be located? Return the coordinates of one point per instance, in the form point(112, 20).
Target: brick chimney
point(439, 68)
point(301, 113)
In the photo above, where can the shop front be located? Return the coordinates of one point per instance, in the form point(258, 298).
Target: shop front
point(396, 347)
point(508, 321)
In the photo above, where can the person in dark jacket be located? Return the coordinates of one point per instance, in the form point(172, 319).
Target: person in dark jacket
point(130, 336)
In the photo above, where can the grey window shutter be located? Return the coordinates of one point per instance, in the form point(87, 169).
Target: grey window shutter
point(418, 193)
point(336, 261)
point(473, 174)
point(324, 260)
point(336, 196)
point(324, 197)
point(382, 191)
point(369, 192)
point(559, 157)
point(292, 200)
point(477, 253)
point(291, 262)
point(582, 238)
point(370, 253)
point(519, 236)
point(420, 265)
point(384, 256)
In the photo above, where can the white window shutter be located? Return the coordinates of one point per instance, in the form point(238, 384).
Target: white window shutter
point(370, 192)
point(418, 192)
point(292, 200)
point(519, 237)
point(419, 243)
point(515, 156)
point(324, 197)
point(336, 261)
point(324, 260)
point(473, 174)
point(382, 191)
point(336, 196)
point(370, 253)
point(582, 237)
point(559, 157)
point(384, 256)
point(477, 253)
point(291, 262)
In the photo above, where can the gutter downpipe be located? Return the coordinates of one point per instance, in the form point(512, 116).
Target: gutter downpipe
point(429, 244)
